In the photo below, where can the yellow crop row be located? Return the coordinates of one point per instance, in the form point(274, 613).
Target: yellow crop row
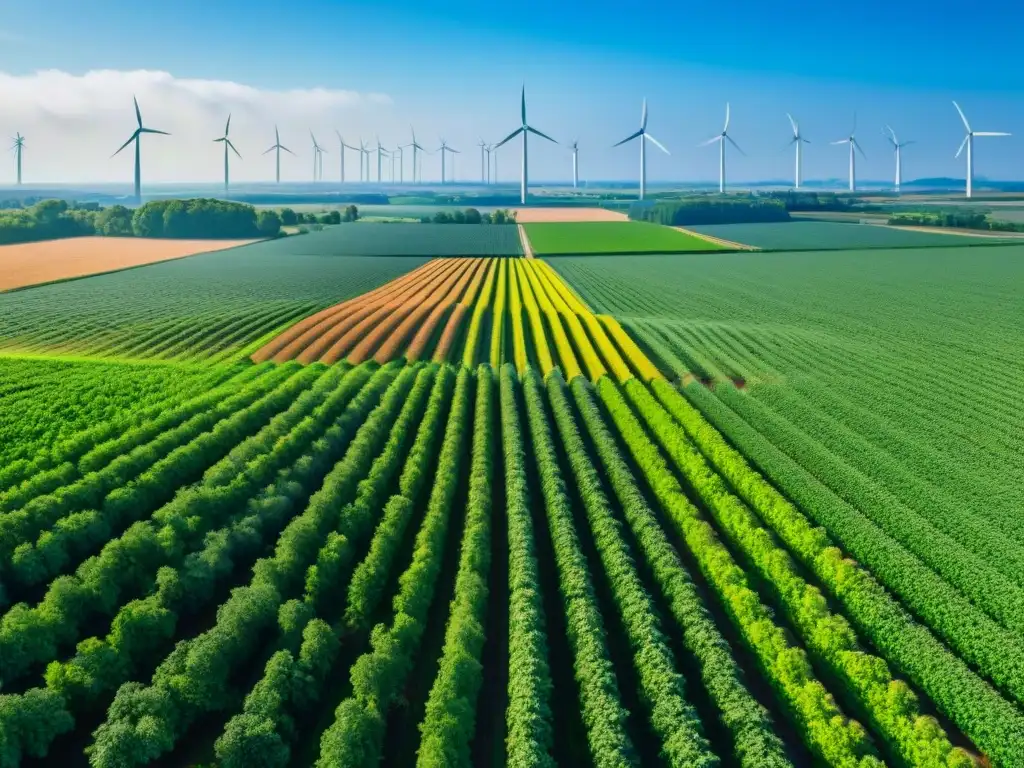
point(540, 340)
point(479, 312)
point(497, 332)
point(519, 356)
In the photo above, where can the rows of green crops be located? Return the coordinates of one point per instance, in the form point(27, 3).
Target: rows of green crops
point(425, 240)
point(808, 235)
point(880, 392)
point(208, 307)
point(422, 564)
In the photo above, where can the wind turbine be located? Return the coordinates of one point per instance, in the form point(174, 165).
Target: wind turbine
point(364, 159)
point(524, 129)
point(483, 170)
point(575, 163)
point(137, 138)
point(227, 143)
point(381, 152)
point(642, 134)
point(488, 149)
point(415, 148)
point(799, 140)
point(341, 150)
point(854, 148)
point(400, 150)
point(897, 146)
point(969, 143)
point(442, 149)
point(722, 138)
point(318, 159)
point(19, 145)
point(278, 146)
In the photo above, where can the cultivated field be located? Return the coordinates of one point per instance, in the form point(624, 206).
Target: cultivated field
point(611, 237)
point(207, 307)
point(34, 263)
point(569, 213)
point(376, 239)
point(820, 235)
point(763, 513)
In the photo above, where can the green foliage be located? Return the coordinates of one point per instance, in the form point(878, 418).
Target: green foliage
point(954, 218)
point(709, 210)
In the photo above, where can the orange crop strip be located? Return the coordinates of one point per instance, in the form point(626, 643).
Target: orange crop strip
point(338, 339)
point(328, 316)
point(450, 333)
point(364, 338)
point(314, 341)
point(423, 335)
point(441, 296)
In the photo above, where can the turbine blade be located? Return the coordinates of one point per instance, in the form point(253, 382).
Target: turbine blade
point(656, 143)
point(726, 128)
point(221, 139)
point(133, 138)
point(524, 103)
point(792, 122)
point(737, 146)
point(138, 113)
point(542, 135)
point(962, 117)
point(233, 147)
point(270, 150)
point(856, 146)
point(912, 141)
point(962, 145)
point(227, 125)
point(841, 141)
point(643, 117)
point(991, 133)
point(712, 140)
point(630, 137)
point(153, 130)
point(287, 150)
point(511, 136)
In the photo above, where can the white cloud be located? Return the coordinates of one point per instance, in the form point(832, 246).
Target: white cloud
point(74, 123)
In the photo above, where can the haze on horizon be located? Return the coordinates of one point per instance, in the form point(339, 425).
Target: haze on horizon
point(67, 80)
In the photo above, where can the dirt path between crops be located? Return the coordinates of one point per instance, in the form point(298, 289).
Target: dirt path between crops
point(527, 248)
point(27, 264)
point(719, 240)
point(962, 232)
point(567, 213)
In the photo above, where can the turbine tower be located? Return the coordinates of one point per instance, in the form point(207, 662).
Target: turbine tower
point(897, 147)
point(575, 163)
point(227, 143)
point(969, 143)
point(341, 151)
point(524, 129)
point(488, 149)
point(137, 138)
point(278, 146)
point(318, 159)
point(400, 150)
point(442, 149)
point(364, 159)
point(415, 148)
point(799, 141)
point(722, 138)
point(854, 148)
point(18, 147)
point(642, 134)
point(381, 152)
point(483, 169)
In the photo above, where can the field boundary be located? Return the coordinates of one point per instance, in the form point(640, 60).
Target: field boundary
point(728, 244)
point(527, 248)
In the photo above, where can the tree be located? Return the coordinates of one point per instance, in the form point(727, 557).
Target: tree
point(115, 221)
point(472, 216)
point(498, 217)
point(331, 217)
point(47, 212)
point(148, 220)
point(268, 223)
point(288, 217)
point(351, 213)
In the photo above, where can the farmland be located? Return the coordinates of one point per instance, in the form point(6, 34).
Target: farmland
point(206, 307)
point(727, 509)
point(611, 237)
point(424, 240)
point(821, 235)
point(44, 262)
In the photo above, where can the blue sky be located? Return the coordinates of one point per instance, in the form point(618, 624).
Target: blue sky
point(456, 69)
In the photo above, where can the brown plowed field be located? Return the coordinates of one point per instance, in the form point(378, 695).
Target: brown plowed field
point(568, 213)
point(26, 264)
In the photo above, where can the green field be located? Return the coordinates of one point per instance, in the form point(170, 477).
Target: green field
point(623, 237)
point(815, 235)
point(374, 239)
point(802, 545)
point(208, 306)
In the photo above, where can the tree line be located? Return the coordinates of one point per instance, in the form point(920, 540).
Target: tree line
point(471, 216)
point(200, 218)
point(710, 210)
point(955, 219)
